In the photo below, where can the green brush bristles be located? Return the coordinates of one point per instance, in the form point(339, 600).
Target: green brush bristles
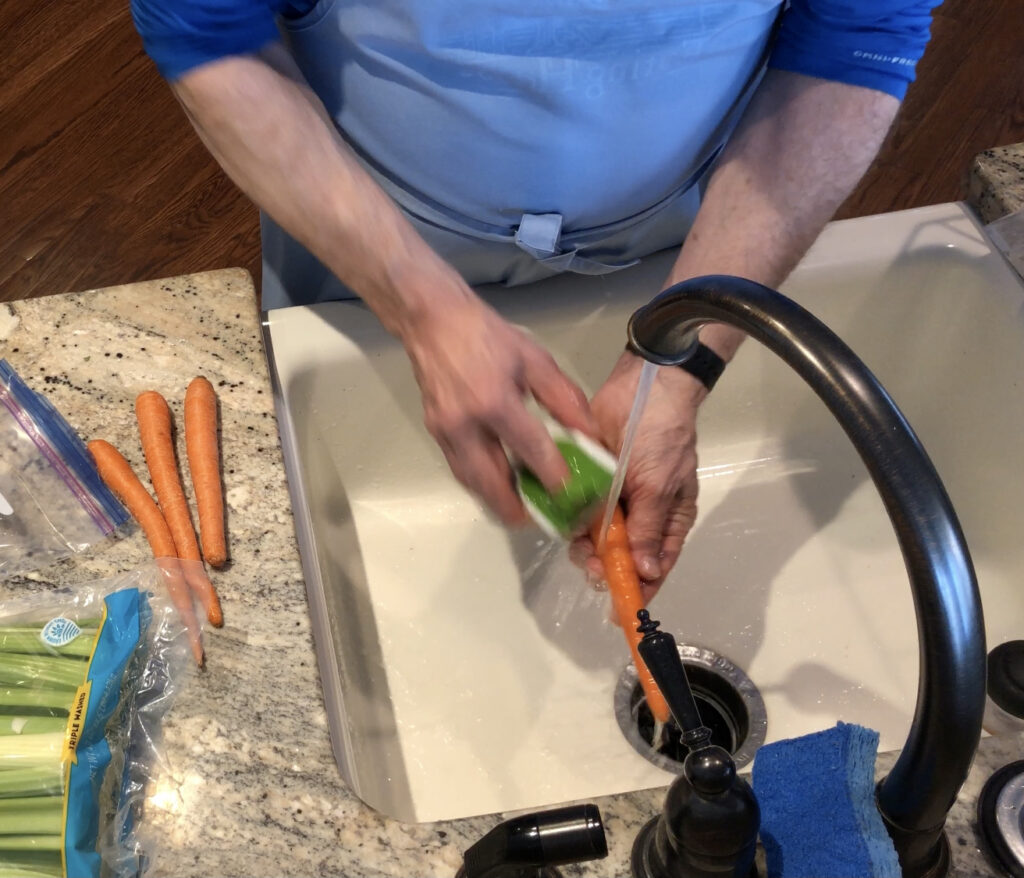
point(566, 512)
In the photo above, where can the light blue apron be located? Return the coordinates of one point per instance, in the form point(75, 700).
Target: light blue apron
point(523, 138)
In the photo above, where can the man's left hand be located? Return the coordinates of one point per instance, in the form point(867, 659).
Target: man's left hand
point(659, 496)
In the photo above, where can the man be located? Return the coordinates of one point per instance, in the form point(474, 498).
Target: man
point(403, 150)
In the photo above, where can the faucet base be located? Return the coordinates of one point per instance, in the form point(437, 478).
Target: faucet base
point(645, 863)
point(939, 868)
point(640, 858)
point(923, 854)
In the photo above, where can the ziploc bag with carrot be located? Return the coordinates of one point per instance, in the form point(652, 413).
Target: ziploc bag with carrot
point(86, 674)
point(52, 502)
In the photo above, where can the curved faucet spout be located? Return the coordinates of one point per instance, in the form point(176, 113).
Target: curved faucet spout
point(923, 784)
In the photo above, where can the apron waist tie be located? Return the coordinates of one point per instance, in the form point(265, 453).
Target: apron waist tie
point(539, 234)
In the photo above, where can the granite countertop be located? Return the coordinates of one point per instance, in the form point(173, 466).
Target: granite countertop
point(250, 786)
point(996, 182)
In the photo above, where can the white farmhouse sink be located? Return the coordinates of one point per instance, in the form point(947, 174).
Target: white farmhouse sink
point(469, 670)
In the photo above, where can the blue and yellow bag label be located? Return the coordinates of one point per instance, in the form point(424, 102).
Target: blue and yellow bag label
point(86, 751)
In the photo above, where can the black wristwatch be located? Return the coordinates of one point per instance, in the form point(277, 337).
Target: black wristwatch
point(704, 365)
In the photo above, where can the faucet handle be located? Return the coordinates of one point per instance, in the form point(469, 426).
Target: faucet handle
point(659, 651)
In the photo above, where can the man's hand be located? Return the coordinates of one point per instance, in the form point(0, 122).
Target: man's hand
point(659, 495)
point(276, 141)
point(797, 153)
point(474, 371)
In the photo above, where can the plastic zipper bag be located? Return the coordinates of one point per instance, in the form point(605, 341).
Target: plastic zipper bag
point(52, 501)
point(86, 675)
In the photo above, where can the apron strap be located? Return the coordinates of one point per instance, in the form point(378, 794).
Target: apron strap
point(539, 234)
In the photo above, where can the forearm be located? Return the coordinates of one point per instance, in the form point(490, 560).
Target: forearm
point(272, 137)
point(799, 150)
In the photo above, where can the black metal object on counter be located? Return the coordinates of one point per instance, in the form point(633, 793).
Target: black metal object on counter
point(1006, 677)
point(923, 784)
point(532, 845)
point(1001, 818)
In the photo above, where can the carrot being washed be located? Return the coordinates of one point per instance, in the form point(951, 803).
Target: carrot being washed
point(627, 599)
point(204, 464)
point(119, 476)
point(154, 417)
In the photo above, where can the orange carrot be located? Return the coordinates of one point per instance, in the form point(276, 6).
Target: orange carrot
point(627, 599)
point(119, 476)
point(204, 464)
point(154, 417)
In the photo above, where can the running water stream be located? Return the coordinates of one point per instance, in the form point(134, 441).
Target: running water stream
point(643, 388)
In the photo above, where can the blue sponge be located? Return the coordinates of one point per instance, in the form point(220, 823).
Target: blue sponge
point(818, 812)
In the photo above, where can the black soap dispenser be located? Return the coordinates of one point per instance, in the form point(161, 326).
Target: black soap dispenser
point(708, 827)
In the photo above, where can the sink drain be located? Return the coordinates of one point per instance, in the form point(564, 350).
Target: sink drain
point(727, 699)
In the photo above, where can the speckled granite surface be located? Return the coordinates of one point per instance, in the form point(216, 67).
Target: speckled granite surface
point(996, 182)
point(250, 786)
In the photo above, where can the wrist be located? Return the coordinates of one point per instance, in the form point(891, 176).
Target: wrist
point(413, 291)
point(679, 383)
point(426, 297)
point(723, 339)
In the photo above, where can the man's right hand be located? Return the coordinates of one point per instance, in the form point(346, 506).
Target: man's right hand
point(276, 141)
point(475, 370)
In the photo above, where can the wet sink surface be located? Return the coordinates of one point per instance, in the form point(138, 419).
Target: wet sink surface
point(468, 670)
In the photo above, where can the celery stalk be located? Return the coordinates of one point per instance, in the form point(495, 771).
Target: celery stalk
point(31, 725)
point(52, 671)
point(29, 803)
point(28, 870)
point(56, 701)
point(23, 751)
point(37, 821)
point(26, 639)
point(37, 780)
point(30, 842)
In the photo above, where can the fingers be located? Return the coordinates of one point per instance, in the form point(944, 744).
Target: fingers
point(678, 524)
point(584, 556)
point(554, 390)
point(478, 462)
point(646, 515)
point(528, 439)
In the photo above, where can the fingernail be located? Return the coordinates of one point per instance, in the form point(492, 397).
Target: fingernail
point(649, 567)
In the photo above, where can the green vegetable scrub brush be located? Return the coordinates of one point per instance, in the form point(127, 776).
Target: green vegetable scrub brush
point(567, 512)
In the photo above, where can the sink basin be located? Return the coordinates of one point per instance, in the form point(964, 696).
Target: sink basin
point(469, 670)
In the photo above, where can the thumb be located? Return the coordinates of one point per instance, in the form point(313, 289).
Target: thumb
point(645, 524)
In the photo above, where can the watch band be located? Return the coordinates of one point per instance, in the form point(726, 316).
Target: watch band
point(704, 365)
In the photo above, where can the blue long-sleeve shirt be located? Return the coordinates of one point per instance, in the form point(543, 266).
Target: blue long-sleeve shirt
point(872, 43)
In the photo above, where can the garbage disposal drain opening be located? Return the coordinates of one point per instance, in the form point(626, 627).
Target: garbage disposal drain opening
point(727, 699)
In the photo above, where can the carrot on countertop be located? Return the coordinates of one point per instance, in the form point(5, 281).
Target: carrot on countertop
point(154, 417)
point(119, 476)
point(627, 598)
point(204, 465)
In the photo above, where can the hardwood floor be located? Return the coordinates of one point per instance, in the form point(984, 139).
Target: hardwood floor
point(103, 181)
